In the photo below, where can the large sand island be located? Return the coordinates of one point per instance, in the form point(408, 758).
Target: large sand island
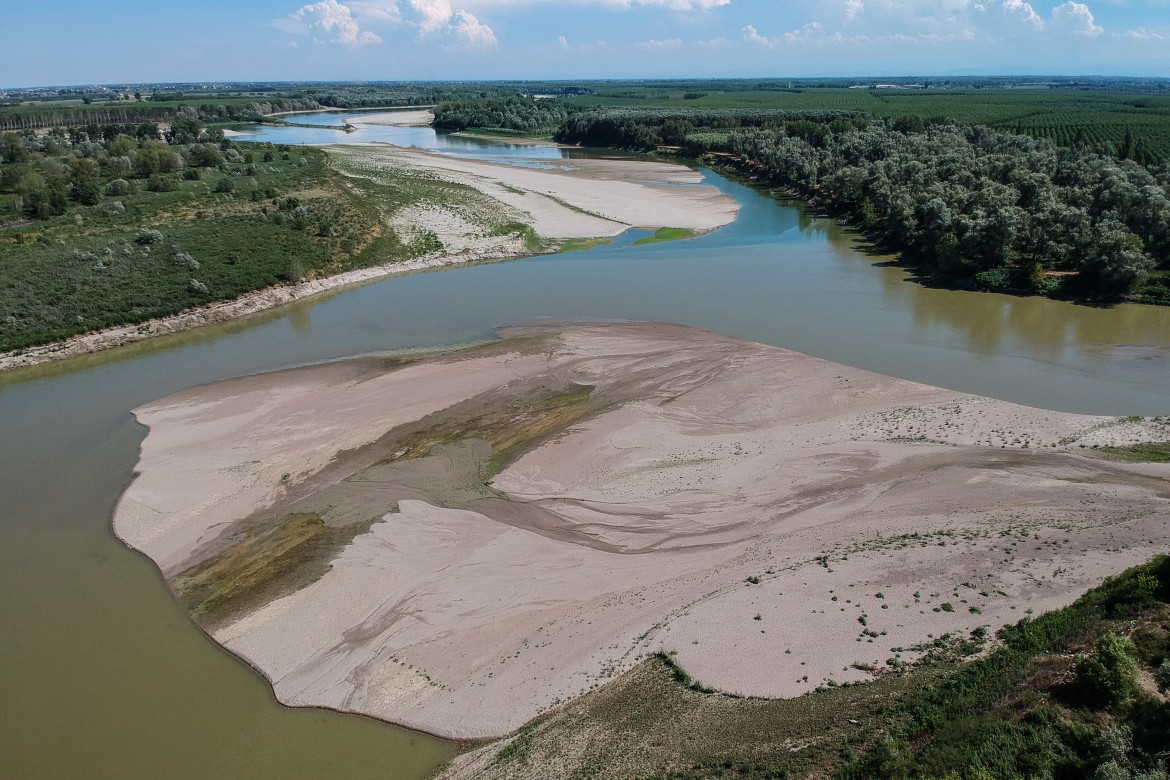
point(460, 541)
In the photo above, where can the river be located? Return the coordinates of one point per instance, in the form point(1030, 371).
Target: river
point(104, 675)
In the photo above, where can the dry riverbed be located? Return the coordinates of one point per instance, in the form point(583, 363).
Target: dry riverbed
point(462, 541)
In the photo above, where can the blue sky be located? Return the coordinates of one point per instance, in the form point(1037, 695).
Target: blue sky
point(51, 42)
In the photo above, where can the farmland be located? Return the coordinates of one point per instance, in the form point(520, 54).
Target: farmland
point(1061, 115)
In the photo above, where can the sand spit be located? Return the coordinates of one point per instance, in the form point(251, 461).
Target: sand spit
point(525, 520)
point(586, 198)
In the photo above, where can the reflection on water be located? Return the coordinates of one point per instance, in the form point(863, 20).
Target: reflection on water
point(542, 155)
point(104, 675)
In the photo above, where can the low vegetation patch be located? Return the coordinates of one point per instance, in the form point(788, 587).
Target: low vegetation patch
point(665, 234)
point(1080, 692)
point(266, 563)
point(1152, 452)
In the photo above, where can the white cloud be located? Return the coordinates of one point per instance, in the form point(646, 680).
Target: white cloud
point(1024, 11)
point(815, 34)
point(436, 14)
point(331, 17)
point(471, 34)
point(1146, 34)
point(669, 44)
point(382, 10)
point(811, 31)
point(852, 9)
point(804, 34)
point(563, 43)
point(1075, 18)
point(465, 28)
point(673, 5)
point(752, 35)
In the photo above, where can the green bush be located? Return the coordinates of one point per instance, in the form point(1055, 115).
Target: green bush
point(995, 279)
point(161, 183)
point(1109, 674)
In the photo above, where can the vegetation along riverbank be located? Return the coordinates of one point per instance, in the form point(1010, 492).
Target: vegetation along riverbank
point(965, 205)
point(142, 232)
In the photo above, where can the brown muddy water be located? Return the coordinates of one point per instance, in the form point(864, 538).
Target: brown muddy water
point(105, 676)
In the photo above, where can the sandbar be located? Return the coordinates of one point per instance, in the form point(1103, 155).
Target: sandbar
point(461, 541)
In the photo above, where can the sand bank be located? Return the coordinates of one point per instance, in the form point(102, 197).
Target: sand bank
point(421, 118)
point(587, 198)
point(501, 529)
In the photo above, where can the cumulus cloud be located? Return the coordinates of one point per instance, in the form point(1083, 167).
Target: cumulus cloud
point(382, 10)
point(472, 34)
point(752, 36)
point(334, 19)
point(463, 28)
point(1075, 18)
point(852, 9)
point(1023, 11)
point(436, 14)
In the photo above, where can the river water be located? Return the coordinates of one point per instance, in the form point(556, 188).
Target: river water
point(104, 675)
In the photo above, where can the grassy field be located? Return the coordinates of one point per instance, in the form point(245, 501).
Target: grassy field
point(1058, 114)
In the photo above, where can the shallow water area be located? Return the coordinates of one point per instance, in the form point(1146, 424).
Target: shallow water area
point(542, 155)
point(105, 674)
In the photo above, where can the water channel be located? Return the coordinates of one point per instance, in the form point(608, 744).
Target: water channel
point(104, 675)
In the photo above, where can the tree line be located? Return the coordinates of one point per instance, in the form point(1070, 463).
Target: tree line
point(32, 116)
point(968, 206)
point(505, 113)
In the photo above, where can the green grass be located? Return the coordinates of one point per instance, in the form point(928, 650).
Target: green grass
point(665, 234)
point(582, 244)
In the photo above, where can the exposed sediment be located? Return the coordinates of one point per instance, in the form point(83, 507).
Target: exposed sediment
point(458, 542)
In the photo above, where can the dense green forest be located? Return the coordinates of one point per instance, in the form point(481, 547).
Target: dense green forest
point(965, 205)
point(510, 114)
point(222, 110)
point(116, 224)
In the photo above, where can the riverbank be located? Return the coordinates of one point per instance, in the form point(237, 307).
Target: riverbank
point(224, 311)
point(480, 536)
point(594, 198)
point(455, 212)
